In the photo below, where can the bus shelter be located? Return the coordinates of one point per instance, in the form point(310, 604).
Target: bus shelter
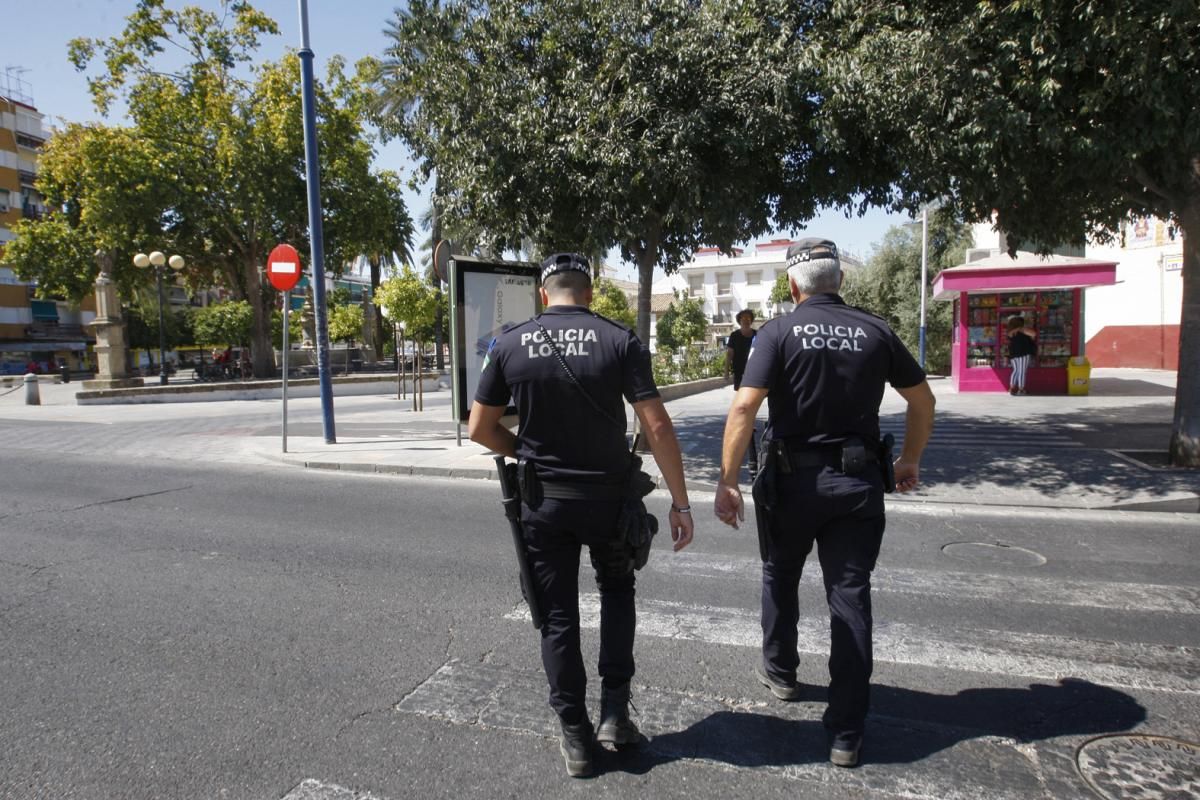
point(1046, 291)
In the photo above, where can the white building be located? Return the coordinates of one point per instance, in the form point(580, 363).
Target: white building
point(729, 284)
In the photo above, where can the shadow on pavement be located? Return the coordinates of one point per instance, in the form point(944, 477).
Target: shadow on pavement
point(929, 724)
point(1056, 455)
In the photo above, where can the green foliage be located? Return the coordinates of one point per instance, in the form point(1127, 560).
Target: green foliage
point(229, 323)
point(682, 324)
point(611, 302)
point(891, 284)
point(345, 323)
point(695, 364)
point(410, 300)
point(295, 328)
point(211, 165)
point(1062, 117)
point(781, 292)
point(582, 125)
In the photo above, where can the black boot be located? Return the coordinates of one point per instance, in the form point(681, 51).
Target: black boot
point(576, 747)
point(615, 725)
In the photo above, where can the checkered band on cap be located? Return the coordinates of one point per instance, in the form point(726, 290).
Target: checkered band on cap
point(565, 262)
point(811, 249)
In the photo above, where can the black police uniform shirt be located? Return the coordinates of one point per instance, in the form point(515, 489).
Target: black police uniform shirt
point(824, 366)
point(740, 345)
point(559, 430)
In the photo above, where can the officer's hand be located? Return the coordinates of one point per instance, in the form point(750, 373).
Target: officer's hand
point(682, 528)
point(908, 475)
point(728, 505)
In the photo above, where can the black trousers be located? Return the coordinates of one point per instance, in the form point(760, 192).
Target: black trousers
point(554, 533)
point(843, 515)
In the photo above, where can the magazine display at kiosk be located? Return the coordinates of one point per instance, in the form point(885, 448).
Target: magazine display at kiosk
point(1050, 314)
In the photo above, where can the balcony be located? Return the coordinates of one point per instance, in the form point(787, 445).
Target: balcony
point(55, 331)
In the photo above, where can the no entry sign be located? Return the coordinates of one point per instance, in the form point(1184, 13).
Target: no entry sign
point(283, 267)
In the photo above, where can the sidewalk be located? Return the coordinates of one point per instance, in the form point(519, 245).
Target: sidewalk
point(1103, 451)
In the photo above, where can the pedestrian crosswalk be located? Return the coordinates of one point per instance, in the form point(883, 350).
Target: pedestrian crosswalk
point(1026, 673)
point(973, 432)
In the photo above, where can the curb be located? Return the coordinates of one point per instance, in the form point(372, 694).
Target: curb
point(930, 506)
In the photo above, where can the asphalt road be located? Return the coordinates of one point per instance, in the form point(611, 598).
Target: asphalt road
point(175, 629)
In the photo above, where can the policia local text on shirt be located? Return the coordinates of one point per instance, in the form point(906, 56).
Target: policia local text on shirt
point(822, 369)
point(580, 457)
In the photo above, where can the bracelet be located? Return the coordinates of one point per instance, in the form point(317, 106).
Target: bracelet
point(681, 510)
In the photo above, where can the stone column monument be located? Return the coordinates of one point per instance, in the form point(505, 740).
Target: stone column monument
point(112, 370)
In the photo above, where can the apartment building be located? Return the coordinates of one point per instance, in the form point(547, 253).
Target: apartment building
point(728, 284)
point(34, 332)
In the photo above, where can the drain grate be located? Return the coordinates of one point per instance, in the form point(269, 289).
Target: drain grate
point(1140, 767)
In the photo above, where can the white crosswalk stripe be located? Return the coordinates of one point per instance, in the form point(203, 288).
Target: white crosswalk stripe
point(1039, 656)
point(967, 585)
point(781, 739)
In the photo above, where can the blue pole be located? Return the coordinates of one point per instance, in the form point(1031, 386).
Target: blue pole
point(312, 171)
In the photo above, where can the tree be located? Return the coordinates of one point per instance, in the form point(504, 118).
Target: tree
point(1063, 117)
point(211, 164)
point(682, 324)
point(583, 125)
point(345, 325)
point(410, 300)
point(611, 302)
point(890, 285)
point(230, 323)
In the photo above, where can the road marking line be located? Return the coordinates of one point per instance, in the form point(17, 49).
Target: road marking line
point(1031, 655)
point(313, 789)
point(908, 758)
point(967, 585)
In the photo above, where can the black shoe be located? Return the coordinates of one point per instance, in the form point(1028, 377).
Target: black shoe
point(784, 691)
point(845, 754)
point(615, 725)
point(576, 747)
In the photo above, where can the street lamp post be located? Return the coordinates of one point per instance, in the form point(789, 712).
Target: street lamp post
point(157, 260)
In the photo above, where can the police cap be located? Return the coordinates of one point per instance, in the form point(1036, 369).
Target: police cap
point(811, 249)
point(565, 262)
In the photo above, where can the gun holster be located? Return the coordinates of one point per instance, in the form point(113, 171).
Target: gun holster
point(764, 490)
point(634, 523)
point(529, 484)
point(887, 469)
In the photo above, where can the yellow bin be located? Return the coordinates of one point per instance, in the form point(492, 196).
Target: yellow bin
point(1079, 375)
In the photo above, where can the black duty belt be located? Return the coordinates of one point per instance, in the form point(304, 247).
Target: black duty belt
point(801, 457)
point(576, 490)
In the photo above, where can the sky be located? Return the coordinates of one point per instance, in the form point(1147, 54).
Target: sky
point(37, 33)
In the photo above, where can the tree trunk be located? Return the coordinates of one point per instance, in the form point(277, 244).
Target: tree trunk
point(262, 352)
point(645, 282)
point(645, 251)
point(1185, 432)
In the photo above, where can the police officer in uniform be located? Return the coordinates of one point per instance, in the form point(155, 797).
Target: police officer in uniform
point(822, 369)
point(580, 457)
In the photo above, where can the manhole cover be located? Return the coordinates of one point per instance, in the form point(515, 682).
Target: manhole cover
point(1140, 767)
point(989, 553)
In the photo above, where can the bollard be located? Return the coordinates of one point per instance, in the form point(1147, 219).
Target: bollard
point(33, 396)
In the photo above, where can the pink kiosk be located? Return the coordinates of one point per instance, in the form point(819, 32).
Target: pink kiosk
point(1046, 290)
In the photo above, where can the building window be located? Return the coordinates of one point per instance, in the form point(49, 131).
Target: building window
point(696, 285)
point(756, 308)
point(753, 278)
point(723, 279)
point(44, 310)
point(724, 311)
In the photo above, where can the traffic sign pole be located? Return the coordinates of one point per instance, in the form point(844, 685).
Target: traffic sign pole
point(287, 307)
point(283, 271)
